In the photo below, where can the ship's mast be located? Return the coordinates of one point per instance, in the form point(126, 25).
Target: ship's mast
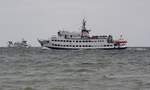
point(84, 25)
point(84, 31)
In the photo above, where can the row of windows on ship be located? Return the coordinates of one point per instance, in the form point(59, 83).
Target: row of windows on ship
point(82, 45)
point(78, 41)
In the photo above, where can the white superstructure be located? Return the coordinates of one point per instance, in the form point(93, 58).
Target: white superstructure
point(82, 40)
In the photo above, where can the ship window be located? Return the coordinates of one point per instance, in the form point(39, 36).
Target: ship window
point(52, 40)
point(70, 45)
point(67, 45)
point(76, 41)
point(115, 44)
point(104, 45)
point(70, 41)
point(79, 41)
point(107, 45)
point(76, 45)
point(73, 46)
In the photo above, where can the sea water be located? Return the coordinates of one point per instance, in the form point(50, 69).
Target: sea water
point(37, 69)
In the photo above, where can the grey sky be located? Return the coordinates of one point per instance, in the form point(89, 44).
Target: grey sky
point(32, 19)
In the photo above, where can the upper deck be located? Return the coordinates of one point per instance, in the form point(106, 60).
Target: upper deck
point(84, 34)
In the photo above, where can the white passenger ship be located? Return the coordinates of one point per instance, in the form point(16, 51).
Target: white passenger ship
point(83, 40)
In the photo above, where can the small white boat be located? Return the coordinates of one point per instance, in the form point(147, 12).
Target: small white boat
point(23, 43)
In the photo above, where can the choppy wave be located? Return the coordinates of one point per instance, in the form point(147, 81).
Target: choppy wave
point(38, 69)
